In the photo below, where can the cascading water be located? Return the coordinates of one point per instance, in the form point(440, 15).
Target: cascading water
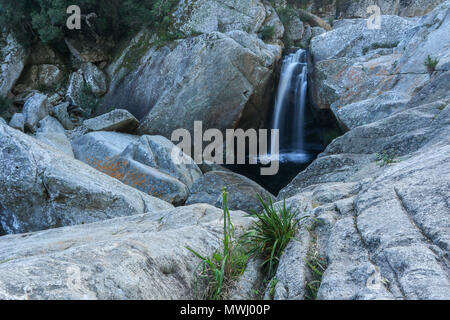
point(300, 132)
point(289, 112)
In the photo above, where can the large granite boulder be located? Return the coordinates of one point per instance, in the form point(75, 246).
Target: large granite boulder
point(13, 57)
point(243, 192)
point(151, 164)
point(223, 80)
point(143, 257)
point(203, 16)
point(41, 188)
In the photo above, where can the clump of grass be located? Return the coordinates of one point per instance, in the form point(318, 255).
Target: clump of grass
point(270, 235)
point(430, 64)
point(224, 267)
point(387, 157)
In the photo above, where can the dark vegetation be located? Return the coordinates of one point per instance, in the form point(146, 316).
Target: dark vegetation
point(46, 20)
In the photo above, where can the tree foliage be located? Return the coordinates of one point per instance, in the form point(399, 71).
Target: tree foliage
point(46, 19)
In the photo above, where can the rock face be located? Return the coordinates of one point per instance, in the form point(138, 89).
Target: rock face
point(219, 79)
point(116, 120)
point(13, 57)
point(42, 189)
point(242, 191)
point(95, 78)
point(138, 257)
point(358, 8)
point(379, 193)
point(203, 16)
point(145, 163)
point(365, 75)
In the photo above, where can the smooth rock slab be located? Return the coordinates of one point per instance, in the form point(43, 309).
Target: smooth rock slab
point(116, 120)
point(42, 189)
point(242, 192)
point(138, 257)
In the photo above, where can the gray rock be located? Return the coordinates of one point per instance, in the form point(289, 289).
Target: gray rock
point(250, 283)
point(116, 120)
point(17, 121)
point(95, 78)
point(161, 153)
point(174, 85)
point(34, 110)
point(142, 257)
point(292, 270)
point(350, 76)
point(367, 111)
point(143, 163)
point(354, 39)
point(101, 145)
point(242, 191)
point(60, 112)
point(51, 132)
point(294, 29)
point(204, 16)
point(41, 188)
point(358, 9)
point(273, 21)
point(74, 90)
point(13, 57)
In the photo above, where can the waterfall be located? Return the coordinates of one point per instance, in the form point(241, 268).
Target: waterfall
point(290, 106)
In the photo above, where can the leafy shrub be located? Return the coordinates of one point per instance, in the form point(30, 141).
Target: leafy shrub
point(431, 64)
point(225, 266)
point(267, 32)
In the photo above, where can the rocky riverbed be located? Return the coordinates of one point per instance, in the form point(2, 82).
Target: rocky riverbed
point(94, 206)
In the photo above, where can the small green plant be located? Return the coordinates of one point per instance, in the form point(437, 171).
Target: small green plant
point(270, 235)
point(431, 64)
point(387, 157)
point(272, 286)
point(267, 32)
point(224, 267)
point(317, 266)
point(330, 21)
